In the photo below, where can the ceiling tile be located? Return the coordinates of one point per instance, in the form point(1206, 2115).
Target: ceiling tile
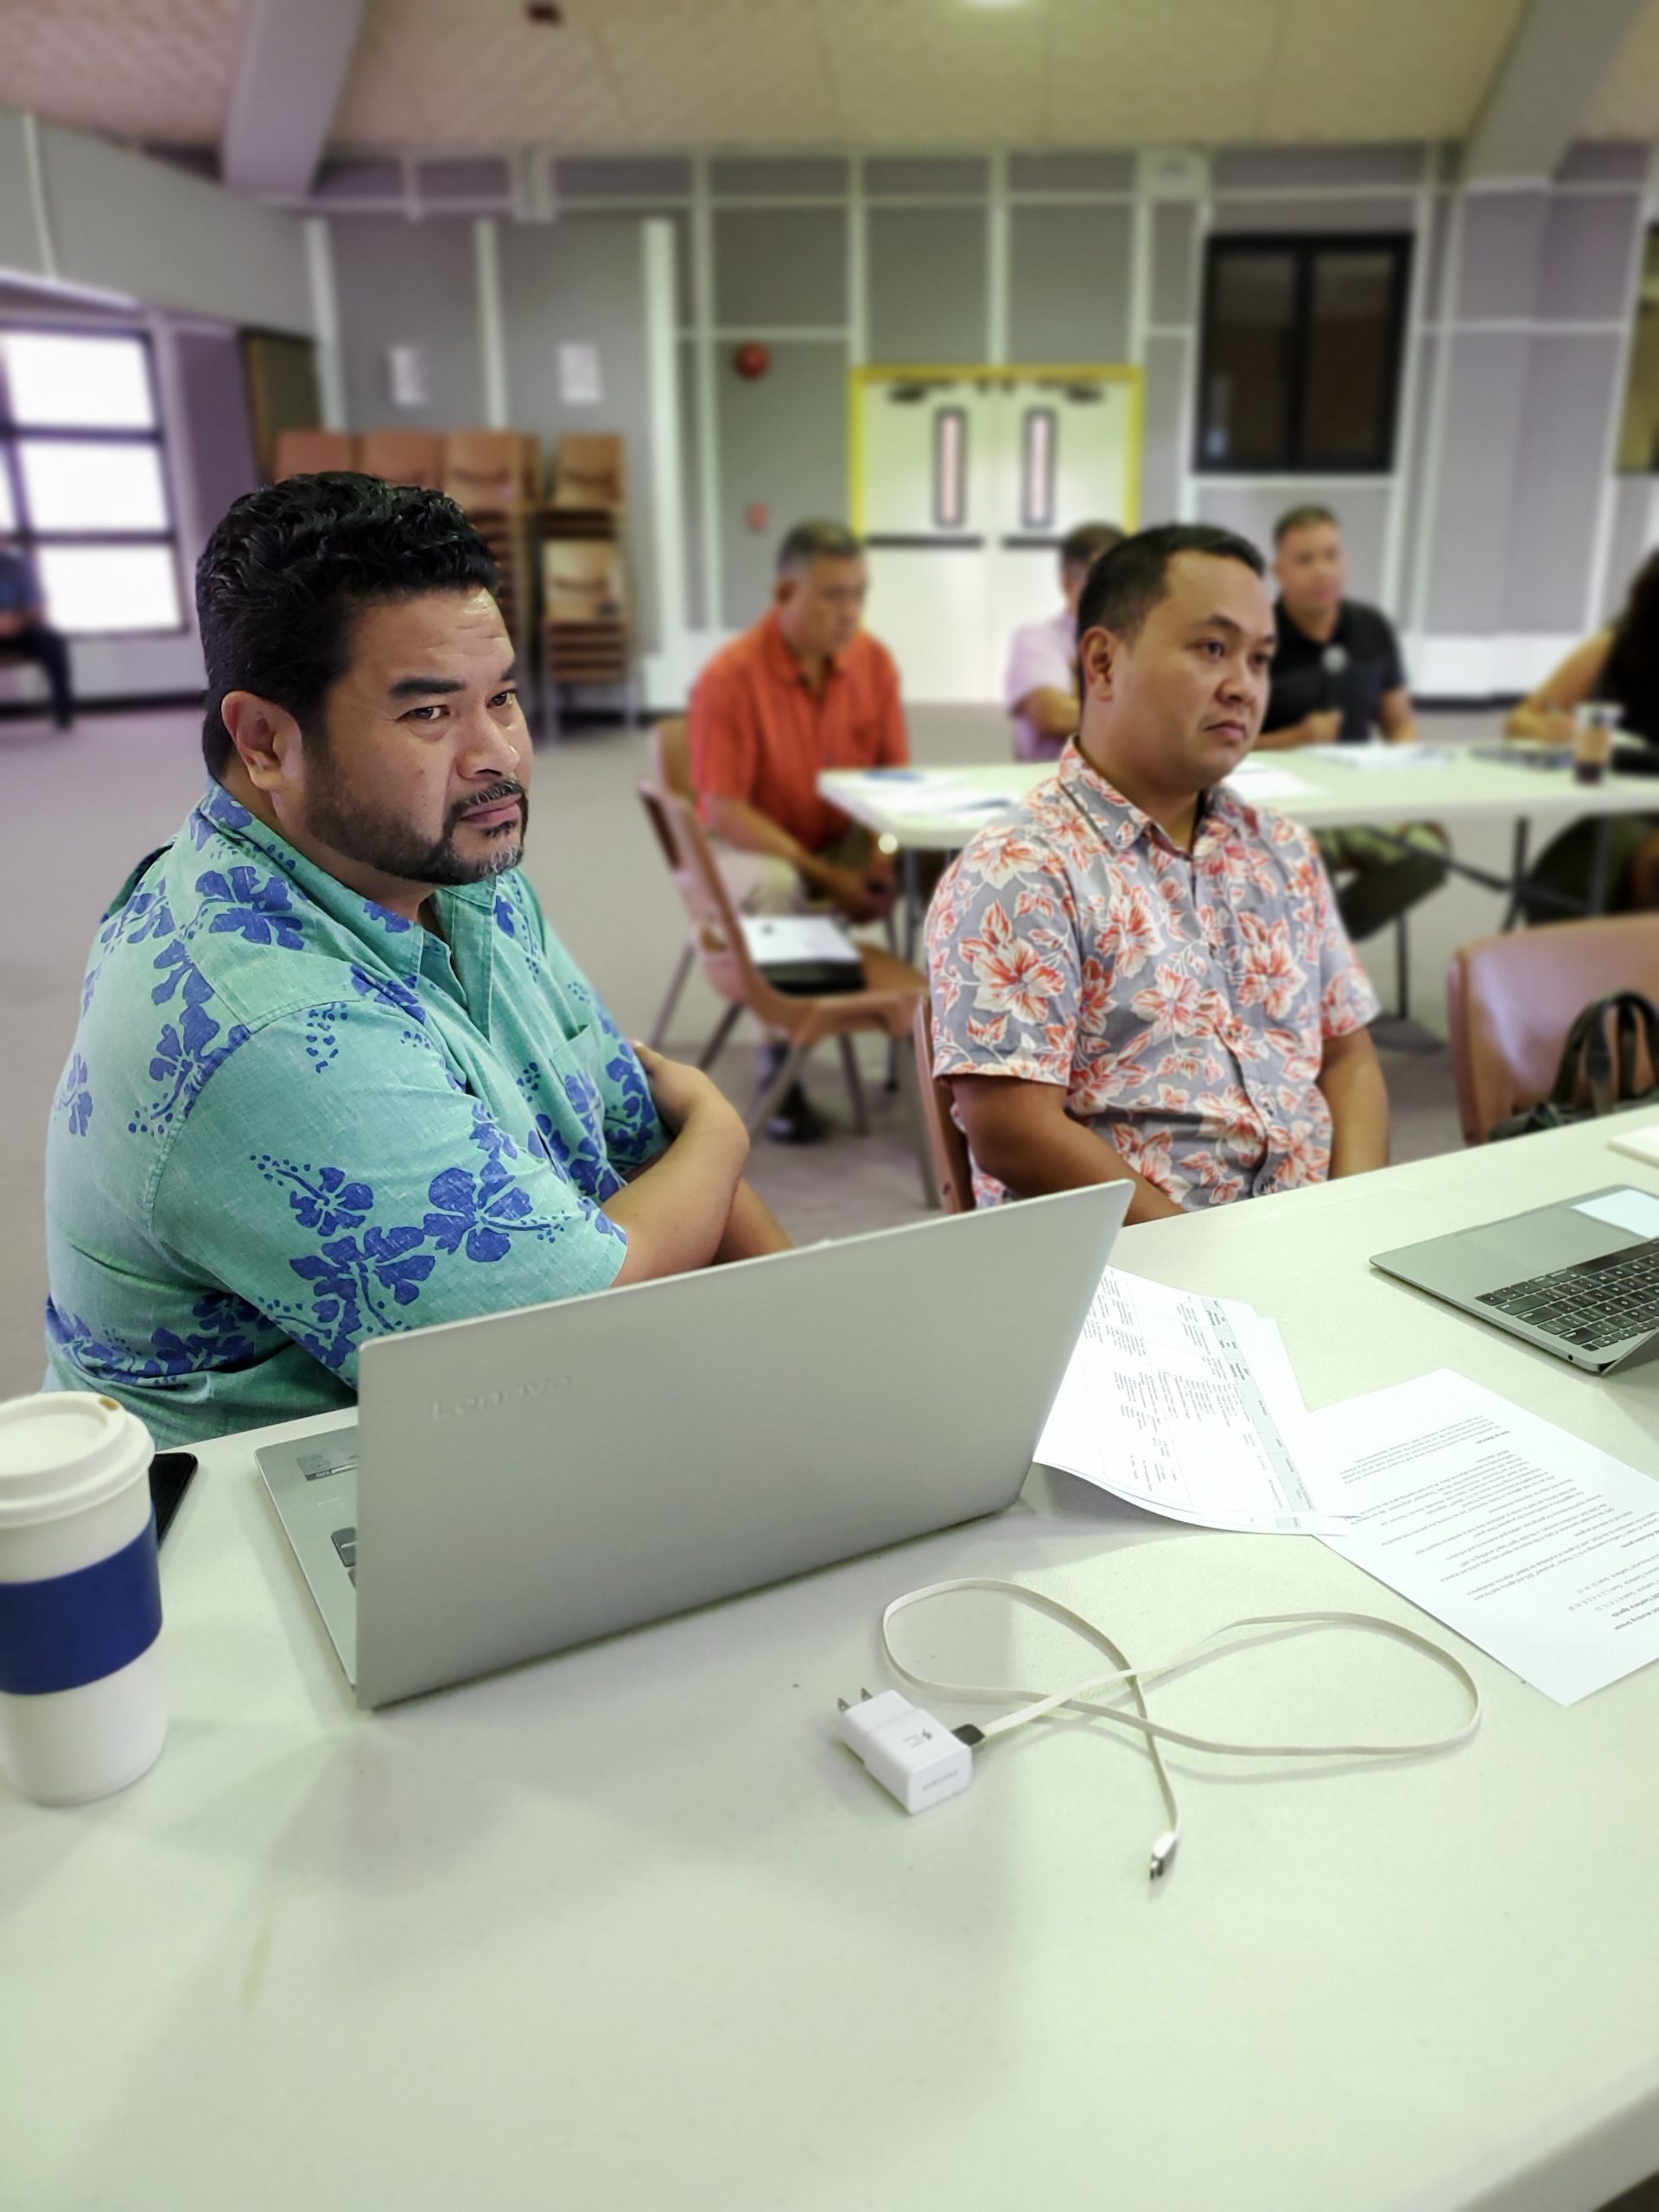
point(1629, 106)
point(157, 69)
point(1382, 69)
point(1138, 72)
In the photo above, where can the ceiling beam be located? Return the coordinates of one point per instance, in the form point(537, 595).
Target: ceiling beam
point(289, 71)
point(1546, 86)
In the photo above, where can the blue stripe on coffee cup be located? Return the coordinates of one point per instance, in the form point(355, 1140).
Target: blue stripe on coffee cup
point(70, 1629)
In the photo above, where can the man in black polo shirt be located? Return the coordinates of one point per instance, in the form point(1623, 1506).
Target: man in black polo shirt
point(1337, 678)
point(25, 633)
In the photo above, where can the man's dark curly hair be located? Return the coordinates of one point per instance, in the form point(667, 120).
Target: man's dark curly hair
point(291, 564)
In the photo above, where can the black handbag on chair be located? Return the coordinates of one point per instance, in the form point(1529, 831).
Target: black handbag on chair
point(1598, 1072)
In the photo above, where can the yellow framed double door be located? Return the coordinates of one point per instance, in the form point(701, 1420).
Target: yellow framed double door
point(964, 482)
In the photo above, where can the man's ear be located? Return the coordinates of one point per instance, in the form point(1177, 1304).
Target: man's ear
point(784, 587)
point(266, 738)
point(1099, 652)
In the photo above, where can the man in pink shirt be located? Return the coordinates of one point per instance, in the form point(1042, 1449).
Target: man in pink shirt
point(1041, 685)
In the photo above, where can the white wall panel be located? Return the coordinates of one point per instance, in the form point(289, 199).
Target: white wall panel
point(124, 224)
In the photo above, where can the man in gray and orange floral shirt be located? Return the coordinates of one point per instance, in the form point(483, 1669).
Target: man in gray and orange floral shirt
point(1136, 973)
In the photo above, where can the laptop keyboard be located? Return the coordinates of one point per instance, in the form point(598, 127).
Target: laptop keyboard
point(345, 1545)
point(1598, 1303)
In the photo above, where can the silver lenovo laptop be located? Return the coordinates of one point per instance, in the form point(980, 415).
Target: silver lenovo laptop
point(526, 1481)
point(1579, 1279)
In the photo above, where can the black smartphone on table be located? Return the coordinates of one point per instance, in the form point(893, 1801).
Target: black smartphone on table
point(170, 1478)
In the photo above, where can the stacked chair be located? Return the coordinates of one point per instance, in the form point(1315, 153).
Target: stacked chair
point(587, 629)
point(308, 453)
point(403, 456)
point(578, 530)
point(492, 474)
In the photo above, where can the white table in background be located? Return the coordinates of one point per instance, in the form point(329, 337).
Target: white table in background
point(627, 1929)
point(1451, 784)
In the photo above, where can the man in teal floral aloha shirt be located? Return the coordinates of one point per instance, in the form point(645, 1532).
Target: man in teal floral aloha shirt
point(335, 1076)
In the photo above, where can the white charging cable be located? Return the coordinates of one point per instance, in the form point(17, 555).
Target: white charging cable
point(921, 1762)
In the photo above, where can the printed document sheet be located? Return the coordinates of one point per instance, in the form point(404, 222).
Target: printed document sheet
point(940, 798)
point(1182, 1405)
point(1377, 757)
point(1256, 780)
point(1535, 1546)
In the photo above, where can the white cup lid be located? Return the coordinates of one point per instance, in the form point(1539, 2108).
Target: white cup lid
point(61, 1450)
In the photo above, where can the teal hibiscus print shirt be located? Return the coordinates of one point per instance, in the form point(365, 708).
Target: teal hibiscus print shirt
point(293, 1120)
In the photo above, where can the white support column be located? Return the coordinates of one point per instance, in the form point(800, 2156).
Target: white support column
point(325, 316)
point(1429, 496)
point(1394, 529)
point(858, 243)
point(1139, 273)
point(997, 264)
point(40, 204)
point(492, 329)
point(702, 309)
point(1602, 552)
point(1188, 502)
point(667, 671)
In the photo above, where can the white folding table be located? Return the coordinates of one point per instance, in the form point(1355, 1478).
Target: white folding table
point(629, 1929)
point(922, 815)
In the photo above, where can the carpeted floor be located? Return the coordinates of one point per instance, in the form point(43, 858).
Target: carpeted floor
point(79, 809)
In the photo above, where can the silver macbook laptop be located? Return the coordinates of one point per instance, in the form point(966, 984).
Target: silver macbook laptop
point(526, 1481)
point(1579, 1279)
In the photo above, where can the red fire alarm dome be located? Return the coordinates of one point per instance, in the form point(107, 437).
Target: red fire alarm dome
point(752, 359)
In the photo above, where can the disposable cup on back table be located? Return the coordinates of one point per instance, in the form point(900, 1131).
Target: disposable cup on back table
point(1594, 726)
point(81, 1706)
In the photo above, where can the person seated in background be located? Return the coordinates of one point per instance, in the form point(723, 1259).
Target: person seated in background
point(335, 1076)
point(1619, 665)
point(1041, 684)
point(1135, 974)
point(26, 635)
point(806, 690)
point(1337, 676)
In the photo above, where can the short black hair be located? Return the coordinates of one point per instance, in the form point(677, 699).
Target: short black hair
point(1127, 583)
point(1082, 547)
point(807, 541)
point(288, 567)
point(1302, 517)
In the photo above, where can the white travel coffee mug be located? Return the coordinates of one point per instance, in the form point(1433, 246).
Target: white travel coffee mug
point(81, 1706)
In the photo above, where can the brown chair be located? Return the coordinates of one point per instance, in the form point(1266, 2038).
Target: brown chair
point(670, 756)
point(490, 472)
point(403, 456)
point(952, 1169)
point(671, 771)
point(884, 1006)
point(1511, 1000)
point(589, 470)
point(306, 453)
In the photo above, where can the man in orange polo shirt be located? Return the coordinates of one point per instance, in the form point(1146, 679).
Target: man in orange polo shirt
point(803, 691)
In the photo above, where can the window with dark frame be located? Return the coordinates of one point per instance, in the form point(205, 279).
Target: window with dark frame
point(83, 479)
point(1301, 353)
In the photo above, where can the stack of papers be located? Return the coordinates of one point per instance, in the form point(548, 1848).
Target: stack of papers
point(941, 798)
point(1256, 780)
point(1536, 1546)
point(1181, 1404)
point(1381, 758)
